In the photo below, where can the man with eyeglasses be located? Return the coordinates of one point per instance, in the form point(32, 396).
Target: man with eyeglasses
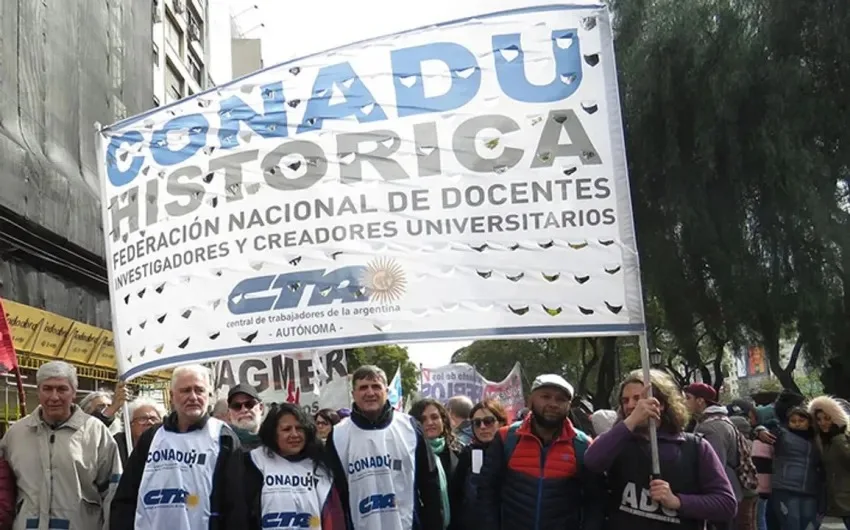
point(245, 415)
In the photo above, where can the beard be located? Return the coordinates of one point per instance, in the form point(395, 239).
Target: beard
point(248, 424)
point(547, 423)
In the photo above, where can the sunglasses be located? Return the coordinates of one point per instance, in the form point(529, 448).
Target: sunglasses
point(239, 405)
point(484, 422)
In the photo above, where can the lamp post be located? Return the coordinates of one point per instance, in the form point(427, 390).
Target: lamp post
point(655, 357)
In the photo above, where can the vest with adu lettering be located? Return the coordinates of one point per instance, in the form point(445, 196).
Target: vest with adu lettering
point(178, 479)
point(628, 479)
point(380, 467)
point(293, 495)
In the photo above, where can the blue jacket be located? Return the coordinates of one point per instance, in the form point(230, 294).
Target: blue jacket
point(796, 463)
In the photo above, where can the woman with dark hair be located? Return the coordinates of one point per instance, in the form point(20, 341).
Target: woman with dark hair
point(438, 431)
point(325, 420)
point(488, 417)
point(287, 483)
point(693, 487)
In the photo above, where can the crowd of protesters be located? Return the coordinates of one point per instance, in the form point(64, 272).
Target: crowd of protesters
point(241, 463)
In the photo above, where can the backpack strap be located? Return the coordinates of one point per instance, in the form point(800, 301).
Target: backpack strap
point(693, 442)
point(510, 440)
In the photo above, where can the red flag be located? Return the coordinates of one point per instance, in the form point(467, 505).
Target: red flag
point(293, 395)
point(8, 358)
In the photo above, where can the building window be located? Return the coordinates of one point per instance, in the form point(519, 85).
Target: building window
point(155, 54)
point(174, 83)
point(173, 35)
point(195, 26)
point(195, 69)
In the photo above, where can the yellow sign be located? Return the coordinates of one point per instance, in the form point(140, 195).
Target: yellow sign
point(50, 335)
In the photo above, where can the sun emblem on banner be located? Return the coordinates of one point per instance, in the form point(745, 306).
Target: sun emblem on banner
point(384, 280)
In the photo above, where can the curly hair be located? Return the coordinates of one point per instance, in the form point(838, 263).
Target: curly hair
point(313, 447)
point(494, 407)
point(418, 409)
point(674, 414)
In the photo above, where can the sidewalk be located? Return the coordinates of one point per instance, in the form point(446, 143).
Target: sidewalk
point(831, 523)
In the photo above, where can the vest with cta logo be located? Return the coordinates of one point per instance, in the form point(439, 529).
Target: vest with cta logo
point(293, 495)
point(177, 481)
point(628, 479)
point(380, 466)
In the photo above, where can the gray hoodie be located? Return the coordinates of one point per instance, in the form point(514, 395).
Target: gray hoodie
point(721, 435)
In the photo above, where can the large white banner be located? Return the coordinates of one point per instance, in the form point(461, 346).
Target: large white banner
point(289, 378)
point(458, 181)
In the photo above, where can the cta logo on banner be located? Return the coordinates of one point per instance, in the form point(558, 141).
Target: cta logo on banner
point(428, 185)
point(275, 377)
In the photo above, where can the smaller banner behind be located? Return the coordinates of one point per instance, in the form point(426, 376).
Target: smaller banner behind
point(271, 376)
point(461, 379)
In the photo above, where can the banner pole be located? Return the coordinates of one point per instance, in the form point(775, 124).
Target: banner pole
point(653, 428)
point(22, 395)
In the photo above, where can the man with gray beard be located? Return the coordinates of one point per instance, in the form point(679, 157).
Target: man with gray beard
point(245, 415)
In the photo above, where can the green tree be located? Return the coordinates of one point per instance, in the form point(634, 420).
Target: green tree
point(388, 358)
point(593, 366)
point(732, 188)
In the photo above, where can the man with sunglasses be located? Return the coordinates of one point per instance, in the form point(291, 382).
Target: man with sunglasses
point(245, 415)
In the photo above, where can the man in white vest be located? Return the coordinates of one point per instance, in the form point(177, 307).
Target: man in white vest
point(384, 469)
point(177, 477)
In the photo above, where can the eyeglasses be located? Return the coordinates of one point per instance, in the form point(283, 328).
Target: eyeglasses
point(239, 405)
point(146, 420)
point(322, 423)
point(480, 422)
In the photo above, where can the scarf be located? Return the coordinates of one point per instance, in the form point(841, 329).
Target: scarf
point(438, 445)
point(248, 439)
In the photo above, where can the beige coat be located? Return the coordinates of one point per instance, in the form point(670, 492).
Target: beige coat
point(66, 476)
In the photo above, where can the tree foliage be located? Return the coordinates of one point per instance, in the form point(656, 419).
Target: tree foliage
point(592, 366)
point(734, 160)
point(388, 358)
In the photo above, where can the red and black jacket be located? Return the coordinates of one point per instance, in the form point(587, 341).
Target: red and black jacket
point(537, 487)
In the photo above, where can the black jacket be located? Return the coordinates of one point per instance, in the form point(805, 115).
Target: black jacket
point(227, 471)
point(429, 514)
point(463, 489)
point(121, 440)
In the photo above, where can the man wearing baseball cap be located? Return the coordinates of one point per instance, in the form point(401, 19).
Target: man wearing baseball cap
point(714, 425)
point(534, 469)
point(245, 414)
